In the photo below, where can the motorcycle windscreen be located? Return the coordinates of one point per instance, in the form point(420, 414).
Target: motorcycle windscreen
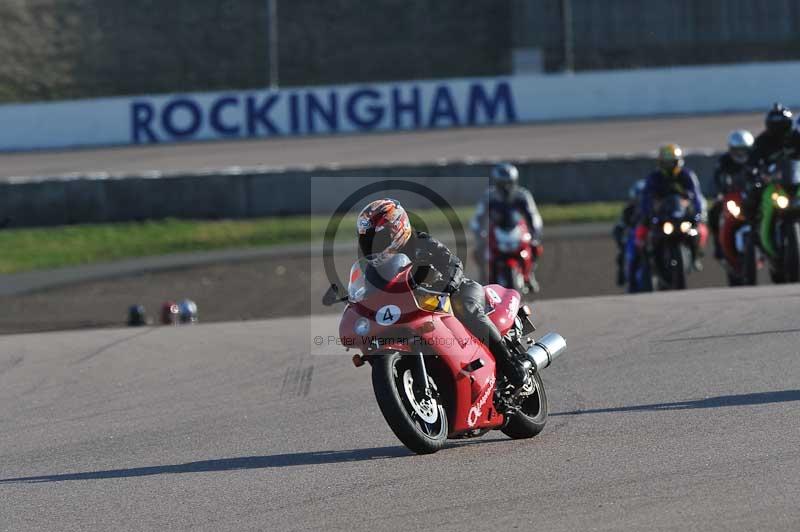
point(366, 279)
point(673, 207)
point(508, 241)
point(504, 216)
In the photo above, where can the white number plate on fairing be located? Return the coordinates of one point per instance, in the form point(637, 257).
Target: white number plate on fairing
point(387, 315)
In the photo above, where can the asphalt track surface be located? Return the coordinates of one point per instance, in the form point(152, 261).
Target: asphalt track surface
point(671, 411)
point(542, 141)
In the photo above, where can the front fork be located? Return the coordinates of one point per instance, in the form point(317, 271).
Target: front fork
point(422, 377)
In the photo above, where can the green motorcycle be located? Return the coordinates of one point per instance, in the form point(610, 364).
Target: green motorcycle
point(779, 228)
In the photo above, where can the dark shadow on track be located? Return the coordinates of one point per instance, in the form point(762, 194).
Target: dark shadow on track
point(746, 399)
point(733, 335)
point(231, 464)
point(244, 462)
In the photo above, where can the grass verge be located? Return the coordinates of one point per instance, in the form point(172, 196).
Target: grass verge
point(54, 247)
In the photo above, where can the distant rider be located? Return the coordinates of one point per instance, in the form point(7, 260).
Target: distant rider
point(625, 226)
point(384, 229)
point(730, 175)
point(503, 195)
point(770, 144)
point(671, 177)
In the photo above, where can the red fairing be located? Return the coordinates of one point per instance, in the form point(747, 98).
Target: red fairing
point(439, 335)
point(517, 254)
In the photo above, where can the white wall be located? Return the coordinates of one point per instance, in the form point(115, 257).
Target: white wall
point(397, 106)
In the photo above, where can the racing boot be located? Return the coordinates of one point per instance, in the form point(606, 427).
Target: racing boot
point(517, 374)
point(512, 367)
point(697, 259)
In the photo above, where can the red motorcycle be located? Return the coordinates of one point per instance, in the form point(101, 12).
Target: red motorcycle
point(432, 379)
point(738, 242)
point(511, 252)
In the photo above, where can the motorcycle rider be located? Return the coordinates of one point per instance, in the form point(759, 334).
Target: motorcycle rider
point(384, 230)
point(671, 177)
point(730, 175)
point(505, 194)
point(770, 144)
point(625, 226)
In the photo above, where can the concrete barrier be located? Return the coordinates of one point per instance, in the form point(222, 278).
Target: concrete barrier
point(258, 193)
point(399, 106)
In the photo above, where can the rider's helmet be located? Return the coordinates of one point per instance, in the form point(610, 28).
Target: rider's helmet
point(505, 177)
point(635, 192)
point(383, 228)
point(778, 121)
point(137, 316)
point(670, 159)
point(170, 313)
point(188, 311)
point(740, 142)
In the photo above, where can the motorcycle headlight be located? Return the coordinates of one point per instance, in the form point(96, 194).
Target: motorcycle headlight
point(668, 228)
point(733, 208)
point(686, 227)
point(782, 201)
point(361, 327)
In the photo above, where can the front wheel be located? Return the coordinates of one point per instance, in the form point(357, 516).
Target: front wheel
point(791, 253)
point(749, 266)
point(676, 259)
point(532, 415)
point(518, 281)
point(503, 275)
point(419, 422)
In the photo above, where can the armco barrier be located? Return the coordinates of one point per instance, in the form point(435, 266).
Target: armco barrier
point(250, 194)
point(411, 105)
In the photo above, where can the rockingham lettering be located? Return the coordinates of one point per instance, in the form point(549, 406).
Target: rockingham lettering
point(404, 106)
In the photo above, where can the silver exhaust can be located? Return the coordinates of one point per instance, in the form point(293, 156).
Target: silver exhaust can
point(546, 349)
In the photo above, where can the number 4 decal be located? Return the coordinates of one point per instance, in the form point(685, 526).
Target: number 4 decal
point(387, 315)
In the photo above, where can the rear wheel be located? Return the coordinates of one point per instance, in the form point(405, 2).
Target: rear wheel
point(791, 253)
point(532, 416)
point(419, 422)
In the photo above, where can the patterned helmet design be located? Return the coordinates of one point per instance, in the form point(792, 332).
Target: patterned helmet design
point(670, 159)
point(383, 228)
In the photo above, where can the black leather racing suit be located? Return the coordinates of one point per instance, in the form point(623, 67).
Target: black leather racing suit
point(467, 297)
point(518, 199)
point(768, 149)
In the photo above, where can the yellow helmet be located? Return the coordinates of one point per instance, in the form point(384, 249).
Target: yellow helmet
point(670, 159)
